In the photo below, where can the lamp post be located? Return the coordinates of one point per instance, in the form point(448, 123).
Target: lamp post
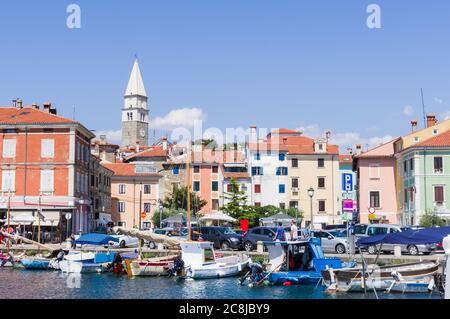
point(311, 194)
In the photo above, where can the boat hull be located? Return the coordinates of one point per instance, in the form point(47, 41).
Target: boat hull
point(35, 264)
point(68, 266)
point(147, 268)
point(217, 270)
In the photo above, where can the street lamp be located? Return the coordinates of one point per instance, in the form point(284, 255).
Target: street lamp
point(311, 194)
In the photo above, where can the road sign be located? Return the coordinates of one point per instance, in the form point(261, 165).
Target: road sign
point(143, 215)
point(68, 216)
point(347, 182)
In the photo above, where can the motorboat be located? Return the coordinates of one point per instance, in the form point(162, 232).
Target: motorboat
point(404, 278)
point(293, 262)
point(201, 262)
point(75, 263)
point(158, 266)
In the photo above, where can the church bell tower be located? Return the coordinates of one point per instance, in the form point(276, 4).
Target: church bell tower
point(135, 113)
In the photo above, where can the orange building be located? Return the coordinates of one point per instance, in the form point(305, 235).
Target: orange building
point(44, 167)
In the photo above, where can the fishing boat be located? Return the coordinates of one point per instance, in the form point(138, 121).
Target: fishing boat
point(293, 262)
point(404, 278)
point(100, 263)
point(201, 262)
point(158, 266)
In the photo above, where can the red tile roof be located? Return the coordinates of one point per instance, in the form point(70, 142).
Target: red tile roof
point(345, 159)
point(126, 169)
point(441, 140)
point(236, 175)
point(30, 115)
point(155, 151)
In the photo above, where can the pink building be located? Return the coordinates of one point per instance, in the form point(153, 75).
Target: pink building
point(377, 186)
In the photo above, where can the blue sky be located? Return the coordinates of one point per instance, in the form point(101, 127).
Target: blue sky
point(296, 64)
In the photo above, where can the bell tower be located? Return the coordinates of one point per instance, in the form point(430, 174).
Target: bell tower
point(135, 113)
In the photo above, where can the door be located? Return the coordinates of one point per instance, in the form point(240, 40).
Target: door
point(215, 237)
point(327, 243)
point(267, 235)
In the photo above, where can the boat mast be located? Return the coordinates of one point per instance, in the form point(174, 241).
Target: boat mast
point(188, 178)
point(9, 220)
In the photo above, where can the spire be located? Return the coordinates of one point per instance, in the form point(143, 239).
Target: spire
point(136, 84)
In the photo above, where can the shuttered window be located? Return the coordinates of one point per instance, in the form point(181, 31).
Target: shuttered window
point(48, 148)
point(9, 148)
point(439, 194)
point(47, 180)
point(8, 180)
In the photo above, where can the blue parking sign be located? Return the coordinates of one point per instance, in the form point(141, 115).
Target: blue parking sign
point(347, 182)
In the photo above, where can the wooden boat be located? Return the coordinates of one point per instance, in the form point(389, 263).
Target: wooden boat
point(410, 277)
point(76, 264)
point(149, 267)
point(201, 262)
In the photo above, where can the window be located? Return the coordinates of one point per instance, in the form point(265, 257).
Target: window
point(321, 147)
point(295, 183)
point(147, 207)
point(281, 157)
point(122, 224)
point(374, 171)
point(293, 204)
point(215, 169)
point(215, 204)
point(439, 194)
point(8, 180)
point(320, 163)
point(375, 199)
point(411, 164)
point(215, 186)
point(9, 148)
point(372, 231)
point(282, 171)
point(282, 206)
point(405, 167)
point(416, 139)
point(229, 188)
point(438, 167)
point(321, 206)
point(257, 171)
point(47, 177)
point(121, 207)
point(257, 188)
point(176, 170)
point(360, 229)
point(281, 188)
point(47, 148)
point(257, 157)
point(435, 132)
point(321, 182)
point(258, 204)
point(196, 169)
point(196, 186)
point(294, 162)
point(147, 189)
point(122, 188)
point(92, 180)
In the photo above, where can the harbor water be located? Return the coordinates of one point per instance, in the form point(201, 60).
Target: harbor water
point(25, 284)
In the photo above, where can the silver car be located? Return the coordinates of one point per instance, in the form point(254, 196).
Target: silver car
point(381, 229)
point(333, 241)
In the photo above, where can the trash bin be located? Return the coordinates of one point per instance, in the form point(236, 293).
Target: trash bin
point(260, 247)
point(397, 251)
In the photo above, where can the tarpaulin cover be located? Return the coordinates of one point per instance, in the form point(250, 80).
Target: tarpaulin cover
point(410, 237)
point(95, 239)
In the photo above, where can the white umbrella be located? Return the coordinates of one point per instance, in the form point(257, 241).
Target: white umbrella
point(219, 216)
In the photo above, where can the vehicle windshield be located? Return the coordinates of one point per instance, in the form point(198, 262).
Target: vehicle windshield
point(338, 233)
point(405, 228)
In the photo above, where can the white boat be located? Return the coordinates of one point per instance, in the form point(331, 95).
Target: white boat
point(201, 262)
point(86, 262)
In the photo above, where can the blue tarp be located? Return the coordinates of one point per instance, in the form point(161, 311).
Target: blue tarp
point(409, 237)
point(95, 239)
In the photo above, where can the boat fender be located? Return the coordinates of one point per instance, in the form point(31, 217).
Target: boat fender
point(287, 283)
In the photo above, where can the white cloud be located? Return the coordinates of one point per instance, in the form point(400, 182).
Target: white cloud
point(446, 115)
point(438, 100)
point(408, 110)
point(113, 137)
point(184, 117)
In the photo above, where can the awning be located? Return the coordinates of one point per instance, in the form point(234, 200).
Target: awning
point(218, 217)
point(50, 219)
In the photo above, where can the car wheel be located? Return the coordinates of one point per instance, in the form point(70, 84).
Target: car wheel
point(372, 250)
point(151, 245)
point(122, 244)
point(340, 249)
point(413, 250)
point(225, 245)
point(248, 246)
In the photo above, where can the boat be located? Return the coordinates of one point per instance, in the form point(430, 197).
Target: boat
point(201, 262)
point(7, 260)
point(36, 263)
point(293, 262)
point(100, 263)
point(158, 266)
point(405, 278)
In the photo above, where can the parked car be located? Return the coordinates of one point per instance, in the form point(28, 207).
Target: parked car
point(362, 230)
point(239, 231)
point(335, 227)
point(124, 240)
point(262, 233)
point(332, 241)
point(223, 237)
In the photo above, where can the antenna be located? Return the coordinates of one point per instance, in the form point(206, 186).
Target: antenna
point(423, 109)
point(73, 117)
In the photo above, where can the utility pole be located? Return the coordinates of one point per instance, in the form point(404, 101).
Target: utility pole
point(9, 220)
point(140, 207)
point(39, 224)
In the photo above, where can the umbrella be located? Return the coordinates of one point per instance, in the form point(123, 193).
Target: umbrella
point(219, 216)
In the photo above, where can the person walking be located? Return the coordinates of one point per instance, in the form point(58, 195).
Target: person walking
point(280, 235)
point(294, 231)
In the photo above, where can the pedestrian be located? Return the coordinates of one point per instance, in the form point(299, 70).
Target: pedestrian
point(294, 231)
point(280, 235)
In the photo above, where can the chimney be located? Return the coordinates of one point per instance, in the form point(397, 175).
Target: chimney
point(328, 135)
point(414, 125)
point(47, 107)
point(284, 140)
point(138, 147)
point(431, 120)
point(35, 106)
point(358, 149)
point(164, 143)
point(253, 135)
point(350, 151)
point(19, 103)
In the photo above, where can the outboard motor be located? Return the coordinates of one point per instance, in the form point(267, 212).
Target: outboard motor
point(177, 267)
point(254, 275)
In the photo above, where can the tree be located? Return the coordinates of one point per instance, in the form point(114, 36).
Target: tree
point(237, 200)
point(430, 219)
point(165, 213)
point(178, 200)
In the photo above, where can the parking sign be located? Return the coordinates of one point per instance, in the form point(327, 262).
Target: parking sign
point(347, 182)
